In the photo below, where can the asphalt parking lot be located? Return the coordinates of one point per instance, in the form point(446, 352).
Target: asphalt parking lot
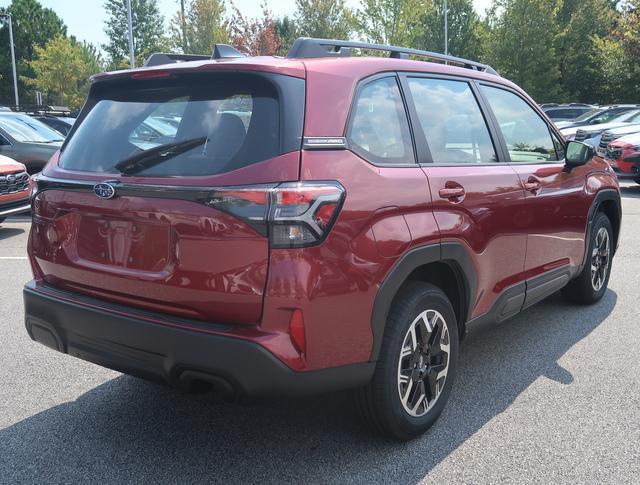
point(552, 396)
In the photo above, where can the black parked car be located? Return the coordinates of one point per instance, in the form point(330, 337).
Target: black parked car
point(61, 124)
point(27, 140)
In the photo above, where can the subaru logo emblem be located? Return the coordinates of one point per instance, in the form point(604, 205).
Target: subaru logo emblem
point(104, 190)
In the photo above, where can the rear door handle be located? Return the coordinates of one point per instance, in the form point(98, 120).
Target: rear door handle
point(452, 193)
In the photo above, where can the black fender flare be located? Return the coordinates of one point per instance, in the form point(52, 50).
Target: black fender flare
point(600, 197)
point(453, 253)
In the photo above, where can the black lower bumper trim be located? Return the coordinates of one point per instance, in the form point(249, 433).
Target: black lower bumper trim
point(174, 355)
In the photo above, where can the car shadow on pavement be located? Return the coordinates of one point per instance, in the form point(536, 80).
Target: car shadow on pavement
point(7, 232)
point(129, 430)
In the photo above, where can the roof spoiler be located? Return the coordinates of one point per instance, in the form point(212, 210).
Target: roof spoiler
point(305, 48)
point(220, 51)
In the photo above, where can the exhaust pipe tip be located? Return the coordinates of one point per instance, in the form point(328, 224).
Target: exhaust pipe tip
point(198, 382)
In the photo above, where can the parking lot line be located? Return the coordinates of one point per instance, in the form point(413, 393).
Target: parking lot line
point(13, 257)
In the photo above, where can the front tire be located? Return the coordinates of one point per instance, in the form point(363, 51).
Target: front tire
point(416, 366)
point(591, 284)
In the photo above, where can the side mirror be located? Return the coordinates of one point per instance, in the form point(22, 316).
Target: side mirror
point(578, 153)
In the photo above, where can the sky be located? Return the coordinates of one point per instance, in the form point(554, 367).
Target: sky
point(85, 18)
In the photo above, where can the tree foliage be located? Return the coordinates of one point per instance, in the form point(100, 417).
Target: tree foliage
point(557, 50)
point(256, 37)
point(463, 26)
point(33, 27)
point(326, 19)
point(396, 22)
point(62, 69)
point(198, 25)
point(520, 45)
point(287, 32)
point(148, 30)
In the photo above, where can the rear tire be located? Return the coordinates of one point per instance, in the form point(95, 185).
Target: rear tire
point(416, 366)
point(591, 284)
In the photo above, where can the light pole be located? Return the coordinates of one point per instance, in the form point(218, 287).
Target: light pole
point(132, 58)
point(13, 57)
point(446, 28)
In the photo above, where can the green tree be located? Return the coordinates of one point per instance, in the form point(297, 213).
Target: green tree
point(464, 25)
point(148, 30)
point(628, 29)
point(33, 26)
point(287, 32)
point(618, 76)
point(582, 25)
point(396, 22)
point(520, 45)
point(328, 19)
point(62, 71)
point(92, 57)
point(198, 25)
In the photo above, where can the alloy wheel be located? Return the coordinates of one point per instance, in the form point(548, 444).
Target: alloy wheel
point(600, 259)
point(423, 363)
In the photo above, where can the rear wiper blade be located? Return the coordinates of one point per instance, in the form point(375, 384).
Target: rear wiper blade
point(150, 158)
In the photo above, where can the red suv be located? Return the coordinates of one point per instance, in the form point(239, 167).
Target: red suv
point(312, 223)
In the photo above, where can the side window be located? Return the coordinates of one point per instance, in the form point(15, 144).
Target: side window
point(379, 130)
point(527, 136)
point(452, 122)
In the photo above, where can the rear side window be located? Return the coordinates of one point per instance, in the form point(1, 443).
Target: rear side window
point(527, 136)
point(187, 125)
point(452, 122)
point(379, 130)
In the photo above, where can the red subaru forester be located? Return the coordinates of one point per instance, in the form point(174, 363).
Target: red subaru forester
point(285, 226)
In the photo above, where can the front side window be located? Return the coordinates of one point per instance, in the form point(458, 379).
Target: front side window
point(452, 122)
point(527, 136)
point(198, 125)
point(379, 130)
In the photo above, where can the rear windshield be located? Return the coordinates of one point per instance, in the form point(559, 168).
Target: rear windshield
point(184, 125)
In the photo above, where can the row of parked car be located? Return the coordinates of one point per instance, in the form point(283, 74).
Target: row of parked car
point(613, 131)
point(28, 139)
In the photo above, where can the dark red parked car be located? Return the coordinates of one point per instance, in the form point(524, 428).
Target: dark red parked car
point(310, 223)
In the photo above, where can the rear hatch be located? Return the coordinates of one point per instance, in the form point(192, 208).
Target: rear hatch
point(160, 194)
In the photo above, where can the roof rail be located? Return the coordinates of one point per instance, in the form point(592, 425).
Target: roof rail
point(38, 109)
point(304, 48)
point(220, 51)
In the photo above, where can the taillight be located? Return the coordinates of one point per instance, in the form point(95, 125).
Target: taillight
point(302, 212)
point(292, 214)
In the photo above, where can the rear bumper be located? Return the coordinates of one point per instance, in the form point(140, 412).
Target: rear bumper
point(173, 355)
